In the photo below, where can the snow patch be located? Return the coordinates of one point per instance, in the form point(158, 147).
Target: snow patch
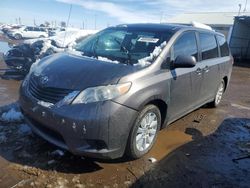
point(45, 104)
point(46, 46)
point(146, 61)
point(66, 38)
point(12, 116)
point(152, 159)
point(107, 60)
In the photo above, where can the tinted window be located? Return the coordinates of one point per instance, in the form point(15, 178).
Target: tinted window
point(186, 45)
point(224, 50)
point(209, 47)
point(36, 29)
point(29, 28)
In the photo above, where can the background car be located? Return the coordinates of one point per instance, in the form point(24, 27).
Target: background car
point(20, 58)
point(28, 32)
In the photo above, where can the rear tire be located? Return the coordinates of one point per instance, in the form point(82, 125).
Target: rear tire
point(144, 132)
point(18, 36)
point(218, 95)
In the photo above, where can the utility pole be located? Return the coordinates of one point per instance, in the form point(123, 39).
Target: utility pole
point(245, 9)
point(83, 24)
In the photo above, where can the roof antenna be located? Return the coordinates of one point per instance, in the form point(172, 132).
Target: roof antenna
point(67, 24)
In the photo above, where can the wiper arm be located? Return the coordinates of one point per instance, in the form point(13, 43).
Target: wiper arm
point(124, 49)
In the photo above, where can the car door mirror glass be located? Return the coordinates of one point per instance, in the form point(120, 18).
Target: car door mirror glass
point(184, 61)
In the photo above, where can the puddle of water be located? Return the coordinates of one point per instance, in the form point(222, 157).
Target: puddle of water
point(4, 47)
point(167, 141)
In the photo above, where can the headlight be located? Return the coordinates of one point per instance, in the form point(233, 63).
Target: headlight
point(101, 93)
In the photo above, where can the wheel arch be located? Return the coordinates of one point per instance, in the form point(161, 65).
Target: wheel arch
point(225, 79)
point(162, 106)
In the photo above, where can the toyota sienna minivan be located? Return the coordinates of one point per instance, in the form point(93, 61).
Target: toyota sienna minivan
point(112, 96)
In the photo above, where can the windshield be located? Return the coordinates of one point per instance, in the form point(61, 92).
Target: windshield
point(123, 45)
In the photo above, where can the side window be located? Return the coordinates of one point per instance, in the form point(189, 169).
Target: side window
point(29, 29)
point(36, 29)
point(186, 45)
point(224, 50)
point(209, 48)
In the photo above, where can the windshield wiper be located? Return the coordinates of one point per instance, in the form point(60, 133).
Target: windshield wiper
point(124, 49)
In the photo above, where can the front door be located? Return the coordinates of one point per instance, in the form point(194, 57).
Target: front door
point(185, 88)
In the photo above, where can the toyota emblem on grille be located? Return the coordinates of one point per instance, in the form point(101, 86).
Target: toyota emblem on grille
point(44, 80)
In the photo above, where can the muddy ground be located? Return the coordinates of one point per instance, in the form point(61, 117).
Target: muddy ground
point(206, 148)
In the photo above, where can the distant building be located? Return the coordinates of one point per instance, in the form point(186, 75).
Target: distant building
point(219, 21)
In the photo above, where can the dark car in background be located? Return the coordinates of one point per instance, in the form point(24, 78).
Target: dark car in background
point(20, 57)
point(129, 82)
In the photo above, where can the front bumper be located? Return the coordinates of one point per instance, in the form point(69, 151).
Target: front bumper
point(98, 130)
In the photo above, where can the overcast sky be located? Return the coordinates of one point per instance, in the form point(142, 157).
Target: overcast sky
point(109, 12)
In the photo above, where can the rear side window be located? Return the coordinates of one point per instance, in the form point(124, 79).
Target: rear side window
point(209, 47)
point(186, 45)
point(224, 50)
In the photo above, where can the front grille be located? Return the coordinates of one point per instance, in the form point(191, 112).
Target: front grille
point(47, 94)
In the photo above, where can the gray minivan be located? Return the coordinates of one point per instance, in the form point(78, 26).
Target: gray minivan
point(124, 84)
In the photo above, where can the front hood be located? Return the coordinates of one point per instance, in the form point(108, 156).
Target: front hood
point(73, 72)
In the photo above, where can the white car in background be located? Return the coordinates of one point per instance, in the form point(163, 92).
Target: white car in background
point(29, 32)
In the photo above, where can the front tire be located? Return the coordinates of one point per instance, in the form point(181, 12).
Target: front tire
point(144, 132)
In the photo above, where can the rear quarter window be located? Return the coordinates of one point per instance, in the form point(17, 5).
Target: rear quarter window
point(224, 49)
point(209, 48)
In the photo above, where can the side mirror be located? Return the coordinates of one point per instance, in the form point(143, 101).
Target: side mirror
point(184, 61)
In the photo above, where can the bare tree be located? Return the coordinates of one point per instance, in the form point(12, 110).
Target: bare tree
point(47, 24)
point(63, 24)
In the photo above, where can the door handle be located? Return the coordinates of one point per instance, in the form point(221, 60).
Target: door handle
point(198, 71)
point(206, 69)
